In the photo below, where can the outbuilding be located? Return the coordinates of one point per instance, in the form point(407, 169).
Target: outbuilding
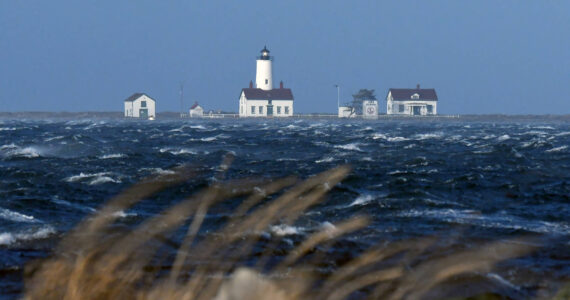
point(414, 102)
point(140, 105)
point(196, 111)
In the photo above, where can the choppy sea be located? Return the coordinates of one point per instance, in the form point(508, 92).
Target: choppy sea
point(466, 180)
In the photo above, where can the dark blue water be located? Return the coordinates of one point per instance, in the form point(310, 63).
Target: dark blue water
point(484, 180)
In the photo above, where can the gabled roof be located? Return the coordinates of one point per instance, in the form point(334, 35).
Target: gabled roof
point(135, 96)
point(406, 94)
point(195, 105)
point(274, 94)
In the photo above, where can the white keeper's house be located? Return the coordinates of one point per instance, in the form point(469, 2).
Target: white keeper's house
point(413, 102)
point(140, 105)
point(263, 100)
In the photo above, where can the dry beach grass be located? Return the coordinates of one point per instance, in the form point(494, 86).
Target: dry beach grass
point(98, 261)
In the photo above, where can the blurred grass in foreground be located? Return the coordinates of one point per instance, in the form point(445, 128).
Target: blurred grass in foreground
point(94, 261)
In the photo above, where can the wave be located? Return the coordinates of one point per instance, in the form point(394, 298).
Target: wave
point(8, 128)
point(425, 136)
point(73, 205)
point(112, 156)
point(557, 149)
point(8, 238)
point(180, 151)
point(351, 146)
point(361, 200)
point(503, 138)
point(13, 216)
point(283, 229)
point(14, 151)
point(475, 218)
point(325, 160)
point(95, 178)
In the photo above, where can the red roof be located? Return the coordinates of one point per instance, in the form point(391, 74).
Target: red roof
point(274, 94)
point(194, 106)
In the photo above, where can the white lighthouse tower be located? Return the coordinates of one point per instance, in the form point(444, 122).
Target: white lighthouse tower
point(263, 100)
point(264, 76)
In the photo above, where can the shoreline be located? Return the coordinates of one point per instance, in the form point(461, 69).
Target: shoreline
point(38, 115)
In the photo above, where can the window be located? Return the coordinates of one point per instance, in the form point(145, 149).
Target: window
point(261, 110)
point(143, 103)
point(253, 110)
point(400, 108)
point(286, 110)
point(430, 109)
point(415, 96)
point(266, 81)
point(278, 110)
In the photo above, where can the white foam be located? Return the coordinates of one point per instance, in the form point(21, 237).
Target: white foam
point(96, 178)
point(472, 217)
point(13, 216)
point(8, 238)
point(503, 138)
point(361, 200)
point(73, 205)
point(112, 156)
point(325, 160)
point(54, 138)
point(351, 146)
point(557, 149)
point(209, 139)
point(8, 128)
point(197, 127)
point(283, 229)
point(397, 139)
point(377, 136)
point(425, 136)
point(12, 150)
point(181, 151)
point(103, 179)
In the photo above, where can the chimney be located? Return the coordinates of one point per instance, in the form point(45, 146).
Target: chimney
point(281, 85)
point(418, 86)
point(250, 84)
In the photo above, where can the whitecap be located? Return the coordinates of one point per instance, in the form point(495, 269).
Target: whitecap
point(111, 156)
point(8, 238)
point(377, 136)
point(8, 128)
point(73, 205)
point(503, 138)
point(209, 139)
point(197, 127)
point(351, 146)
point(13, 216)
point(325, 160)
point(425, 136)
point(95, 178)
point(361, 200)
point(284, 229)
point(103, 179)
point(54, 138)
point(180, 151)
point(557, 149)
point(397, 139)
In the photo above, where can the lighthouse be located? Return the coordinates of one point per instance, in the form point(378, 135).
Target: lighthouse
point(262, 100)
point(263, 75)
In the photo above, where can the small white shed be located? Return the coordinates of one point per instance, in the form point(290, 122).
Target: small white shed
point(196, 111)
point(140, 105)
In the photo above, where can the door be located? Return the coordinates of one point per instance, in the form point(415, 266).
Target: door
point(417, 110)
point(270, 110)
point(143, 113)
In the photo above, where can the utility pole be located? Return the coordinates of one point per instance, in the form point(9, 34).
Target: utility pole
point(337, 96)
point(181, 99)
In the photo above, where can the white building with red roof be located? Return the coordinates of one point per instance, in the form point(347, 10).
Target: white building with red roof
point(263, 100)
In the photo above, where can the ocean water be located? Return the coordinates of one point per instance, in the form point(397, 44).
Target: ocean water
point(464, 181)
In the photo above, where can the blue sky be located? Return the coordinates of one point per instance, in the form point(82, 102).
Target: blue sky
point(510, 57)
